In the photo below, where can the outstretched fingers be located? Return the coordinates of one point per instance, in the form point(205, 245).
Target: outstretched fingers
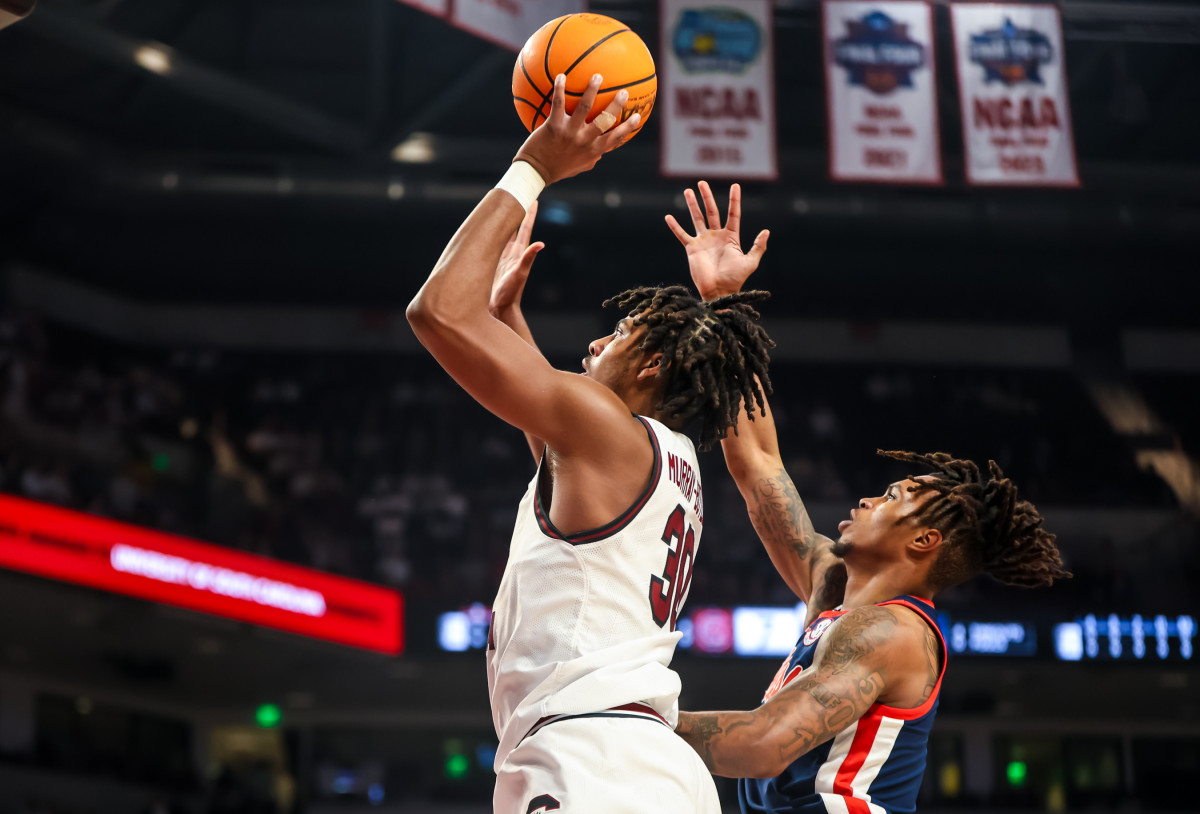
point(734, 222)
point(760, 246)
point(525, 230)
point(711, 211)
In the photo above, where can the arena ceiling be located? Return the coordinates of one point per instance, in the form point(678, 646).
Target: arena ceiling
point(317, 149)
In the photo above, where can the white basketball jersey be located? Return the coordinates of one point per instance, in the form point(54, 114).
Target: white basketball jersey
point(586, 622)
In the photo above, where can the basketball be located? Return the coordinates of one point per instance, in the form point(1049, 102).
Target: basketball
point(579, 46)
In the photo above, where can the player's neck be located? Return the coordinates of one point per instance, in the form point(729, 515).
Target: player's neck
point(643, 402)
point(869, 588)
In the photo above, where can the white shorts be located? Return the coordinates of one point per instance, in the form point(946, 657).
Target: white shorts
point(596, 765)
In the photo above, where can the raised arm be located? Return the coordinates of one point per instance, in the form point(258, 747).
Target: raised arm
point(872, 654)
point(802, 557)
point(497, 367)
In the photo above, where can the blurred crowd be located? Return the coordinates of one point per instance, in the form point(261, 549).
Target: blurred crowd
point(378, 466)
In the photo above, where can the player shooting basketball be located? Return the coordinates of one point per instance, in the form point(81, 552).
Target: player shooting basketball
point(846, 721)
point(600, 562)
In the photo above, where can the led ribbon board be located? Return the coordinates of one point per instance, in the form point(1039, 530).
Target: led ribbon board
point(126, 559)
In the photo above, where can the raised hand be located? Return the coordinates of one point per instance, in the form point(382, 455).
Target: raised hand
point(512, 270)
point(715, 258)
point(568, 145)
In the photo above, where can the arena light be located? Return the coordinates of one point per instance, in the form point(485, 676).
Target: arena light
point(153, 59)
point(419, 148)
point(126, 559)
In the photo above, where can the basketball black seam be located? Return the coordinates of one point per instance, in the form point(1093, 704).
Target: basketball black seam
point(583, 56)
point(546, 53)
point(617, 87)
point(537, 110)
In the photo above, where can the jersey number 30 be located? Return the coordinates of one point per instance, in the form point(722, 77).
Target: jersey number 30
point(668, 591)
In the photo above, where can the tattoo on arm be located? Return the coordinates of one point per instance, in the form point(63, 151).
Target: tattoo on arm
point(846, 678)
point(842, 685)
point(703, 730)
point(779, 516)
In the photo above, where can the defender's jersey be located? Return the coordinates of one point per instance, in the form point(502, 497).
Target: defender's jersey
point(585, 623)
point(873, 766)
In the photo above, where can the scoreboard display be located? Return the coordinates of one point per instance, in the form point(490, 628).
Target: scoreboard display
point(1116, 637)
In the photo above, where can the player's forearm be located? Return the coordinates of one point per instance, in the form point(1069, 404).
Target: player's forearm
point(772, 501)
point(514, 318)
point(731, 744)
point(458, 289)
point(754, 449)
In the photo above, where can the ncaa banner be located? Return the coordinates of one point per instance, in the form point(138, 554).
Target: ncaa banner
point(716, 92)
point(1013, 89)
point(507, 23)
point(881, 88)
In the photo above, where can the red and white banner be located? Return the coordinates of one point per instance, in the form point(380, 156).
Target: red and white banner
point(716, 90)
point(126, 559)
point(881, 87)
point(1012, 84)
point(505, 22)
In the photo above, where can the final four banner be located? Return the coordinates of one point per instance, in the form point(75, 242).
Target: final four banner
point(1013, 88)
point(881, 87)
point(505, 22)
point(717, 92)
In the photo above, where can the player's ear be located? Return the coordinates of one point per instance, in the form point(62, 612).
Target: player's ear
point(652, 366)
point(927, 540)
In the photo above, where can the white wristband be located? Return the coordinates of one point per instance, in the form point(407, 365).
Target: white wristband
point(522, 182)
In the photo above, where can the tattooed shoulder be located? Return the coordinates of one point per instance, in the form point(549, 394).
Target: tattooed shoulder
point(857, 634)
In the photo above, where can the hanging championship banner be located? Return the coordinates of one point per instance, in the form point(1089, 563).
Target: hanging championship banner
point(507, 23)
point(716, 92)
point(881, 88)
point(1013, 89)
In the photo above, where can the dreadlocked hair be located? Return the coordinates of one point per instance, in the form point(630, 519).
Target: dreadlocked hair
point(716, 354)
point(986, 528)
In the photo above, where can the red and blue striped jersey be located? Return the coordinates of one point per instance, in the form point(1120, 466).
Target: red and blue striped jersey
point(873, 766)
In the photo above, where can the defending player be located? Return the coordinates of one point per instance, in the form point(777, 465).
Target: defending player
point(844, 725)
point(600, 562)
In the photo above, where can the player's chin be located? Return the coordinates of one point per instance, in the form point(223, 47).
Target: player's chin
point(841, 547)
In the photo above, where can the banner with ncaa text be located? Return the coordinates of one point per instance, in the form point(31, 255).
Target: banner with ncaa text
point(716, 90)
point(881, 86)
point(505, 22)
point(1013, 88)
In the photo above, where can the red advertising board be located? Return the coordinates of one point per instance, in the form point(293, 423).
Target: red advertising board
point(125, 559)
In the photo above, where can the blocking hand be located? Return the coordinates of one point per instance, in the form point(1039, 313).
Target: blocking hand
point(716, 261)
point(512, 270)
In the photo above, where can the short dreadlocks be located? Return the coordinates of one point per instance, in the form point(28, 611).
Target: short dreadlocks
point(716, 354)
point(987, 528)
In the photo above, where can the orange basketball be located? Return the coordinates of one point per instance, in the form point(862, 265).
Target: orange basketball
point(580, 45)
